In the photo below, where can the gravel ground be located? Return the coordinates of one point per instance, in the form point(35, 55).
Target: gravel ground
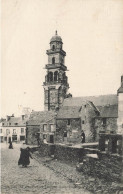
point(36, 178)
point(78, 179)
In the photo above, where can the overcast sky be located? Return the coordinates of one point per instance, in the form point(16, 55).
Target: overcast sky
point(92, 33)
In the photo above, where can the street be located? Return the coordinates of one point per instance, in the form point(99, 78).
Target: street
point(36, 178)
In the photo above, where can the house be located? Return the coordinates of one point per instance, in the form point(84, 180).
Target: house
point(13, 128)
point(74, 119)
point(41, 124)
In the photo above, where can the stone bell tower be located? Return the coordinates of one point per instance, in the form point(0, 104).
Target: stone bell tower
point(56, 82)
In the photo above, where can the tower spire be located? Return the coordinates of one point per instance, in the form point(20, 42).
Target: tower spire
point(56, 32)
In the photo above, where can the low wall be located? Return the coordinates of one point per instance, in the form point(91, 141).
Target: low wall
point(62, 152)
point(47, 149)
point(105, 166)
point(69, 154)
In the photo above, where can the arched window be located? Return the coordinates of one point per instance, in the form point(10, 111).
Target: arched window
point(50, 76)
point(56, 76)
point(53, 60)
point(53, 47)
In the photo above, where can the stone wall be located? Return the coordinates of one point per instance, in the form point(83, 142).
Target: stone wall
point(73, 130)
point(106, 166)
point(31, 135)
point(87, 115)
point(69, 154)
point(47, 149)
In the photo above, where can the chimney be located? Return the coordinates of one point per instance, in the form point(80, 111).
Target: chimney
point(7, 118)
point(121, 79)
point(23, 117)
point(12, 115)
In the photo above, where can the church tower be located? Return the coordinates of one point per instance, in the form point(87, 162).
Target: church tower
point(56, 82)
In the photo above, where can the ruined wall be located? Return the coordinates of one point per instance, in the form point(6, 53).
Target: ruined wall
point(73, 130)
point(87, 115)
point(106, 166)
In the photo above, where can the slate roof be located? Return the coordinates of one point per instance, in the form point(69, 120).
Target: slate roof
point(67, 112)
point(39, 117)
point(96, 100)
point(109, 111)
point(120, 90)
point(15, 121)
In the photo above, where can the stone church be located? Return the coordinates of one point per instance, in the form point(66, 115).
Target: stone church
point(67, 116)
point(56, 82)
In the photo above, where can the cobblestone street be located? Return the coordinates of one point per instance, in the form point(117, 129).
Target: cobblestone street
point(36, 178)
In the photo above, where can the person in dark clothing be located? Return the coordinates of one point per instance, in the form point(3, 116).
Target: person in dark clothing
point(83, 136)
point(10, 145)
point(24, 157)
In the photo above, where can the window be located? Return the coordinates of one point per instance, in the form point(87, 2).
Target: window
point(104, 121)
point(44, 127)
point(85, 106)
point(7, 131)
point(22, 130)
point(56, 76)
point(53, 60)
point(83, 122)
point(0, 130)
point(68, 122)
point(22, 138)
point(14, 130)
point(16, 123)
point(53, 47)
point(2, 123)
point(50, 76)
point(14, 137)
point(52, 128)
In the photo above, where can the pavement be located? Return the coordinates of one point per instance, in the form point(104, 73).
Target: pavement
point(36, 178)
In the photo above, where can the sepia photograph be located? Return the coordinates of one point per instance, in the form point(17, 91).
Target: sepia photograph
point(61, 116)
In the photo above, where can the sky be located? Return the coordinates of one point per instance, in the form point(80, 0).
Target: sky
point(92, 33)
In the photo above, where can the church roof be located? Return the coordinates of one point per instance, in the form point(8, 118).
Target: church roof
point(67, 112)
point(56, 38)
point(108, 111)
point(39, 117)
point(96, 100)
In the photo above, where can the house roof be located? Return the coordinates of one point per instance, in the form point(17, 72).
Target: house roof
point(39, 117)
point(67, 112)
point(15, 121)
point(109, 111)
point(96, 100)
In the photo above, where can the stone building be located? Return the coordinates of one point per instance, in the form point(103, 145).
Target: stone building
point(41, 125)
point(14, 128)
point(71, 114)
point(56, 82)
point(74, 119)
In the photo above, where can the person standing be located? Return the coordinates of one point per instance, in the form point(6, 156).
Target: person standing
point(83, 137)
